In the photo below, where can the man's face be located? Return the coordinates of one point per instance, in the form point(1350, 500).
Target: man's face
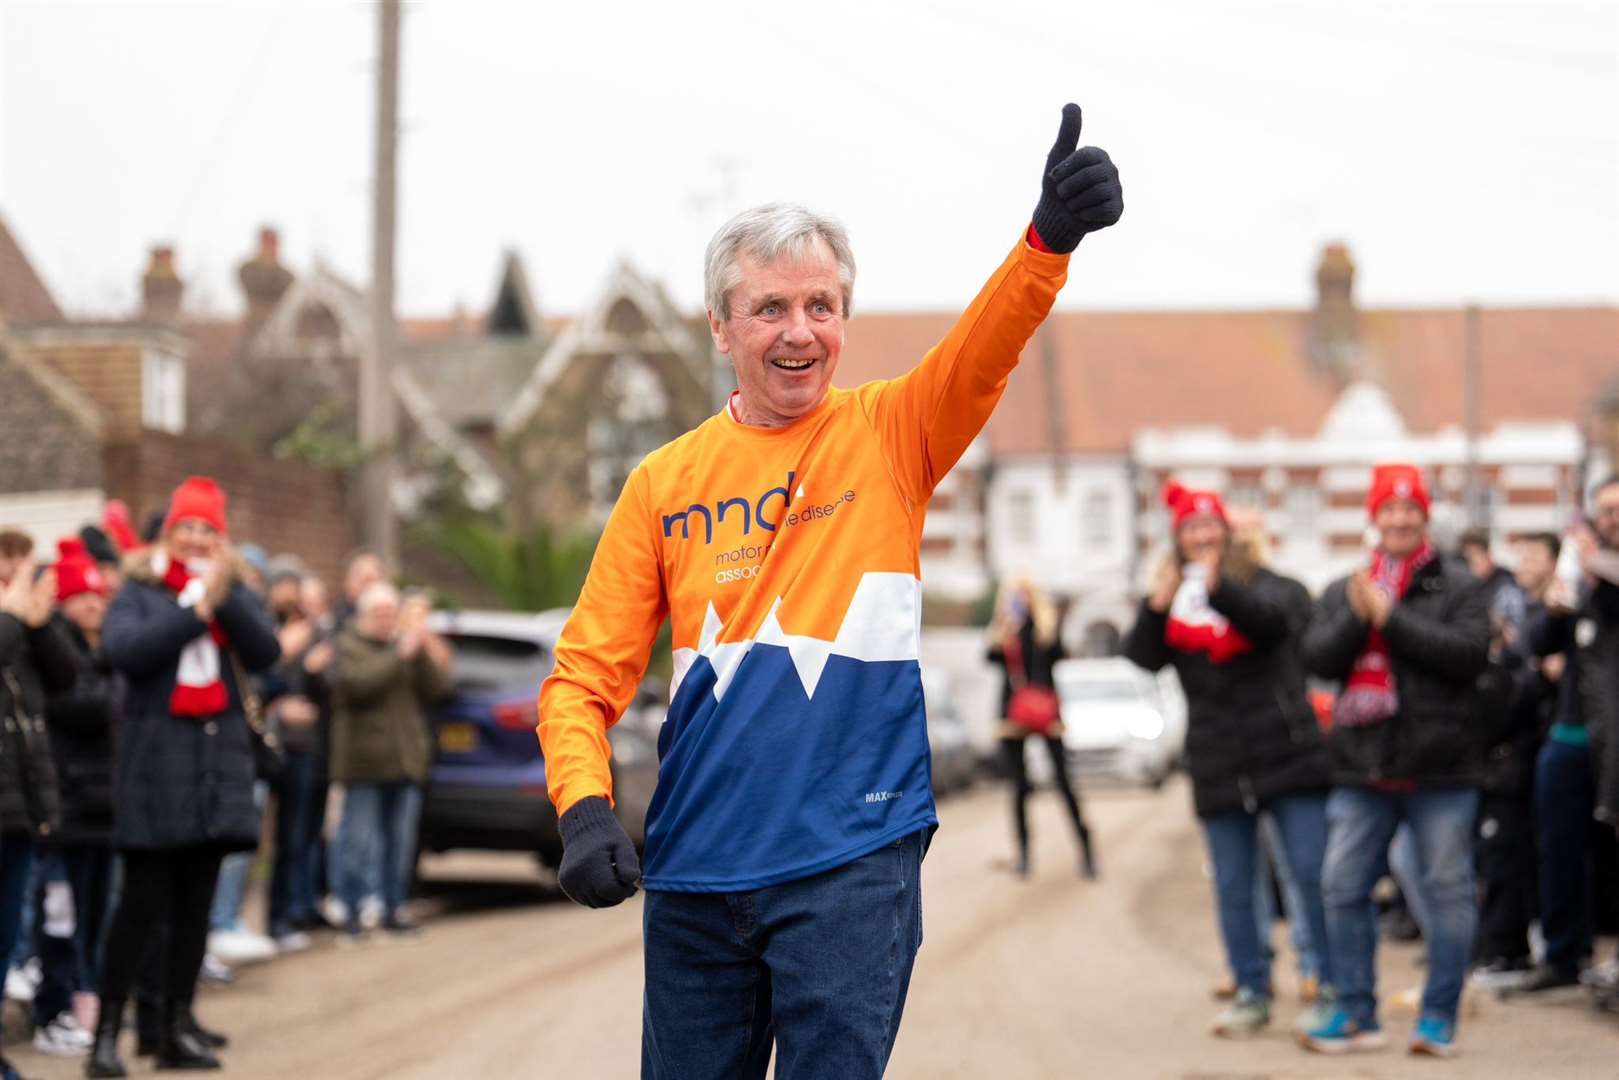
point(1535, 566)
point(312, 598)
point(1606, 514)
point(380, 621)
point(85, 610)
point(1403, 524)
point(284, 597)
point(1478, 560)
point(784, 334)
point(364, 572)
point(1201, 535)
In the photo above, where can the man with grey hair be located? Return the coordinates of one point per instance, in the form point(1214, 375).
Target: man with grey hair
point(781, 538)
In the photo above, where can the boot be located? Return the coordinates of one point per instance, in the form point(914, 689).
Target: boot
point(179, 1047)
point(104, 1060)
point(213, 1040)
point(148, 1025)
point(1087, 858)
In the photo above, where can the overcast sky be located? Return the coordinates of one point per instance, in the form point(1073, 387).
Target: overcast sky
point(1465, 151)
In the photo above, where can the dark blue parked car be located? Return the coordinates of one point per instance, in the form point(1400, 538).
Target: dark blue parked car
point(487, 790)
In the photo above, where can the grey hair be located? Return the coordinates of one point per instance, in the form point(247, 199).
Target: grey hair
point(767, 233)
point(378, 592)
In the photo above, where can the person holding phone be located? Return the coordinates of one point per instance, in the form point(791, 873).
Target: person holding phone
point(1229, 626)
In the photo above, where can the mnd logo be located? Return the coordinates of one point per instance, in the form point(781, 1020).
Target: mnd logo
point(753, 513)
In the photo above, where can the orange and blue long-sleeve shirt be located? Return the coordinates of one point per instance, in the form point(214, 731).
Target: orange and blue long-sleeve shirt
point(788, 560)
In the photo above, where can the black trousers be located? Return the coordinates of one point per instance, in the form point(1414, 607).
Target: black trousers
point(1507, 875)
point(1016, 770)
point(174, 887)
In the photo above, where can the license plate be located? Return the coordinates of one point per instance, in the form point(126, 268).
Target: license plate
point(457, 738)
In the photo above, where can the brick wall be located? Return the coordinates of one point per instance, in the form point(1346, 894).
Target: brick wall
point(108, 373)
point(283, 506)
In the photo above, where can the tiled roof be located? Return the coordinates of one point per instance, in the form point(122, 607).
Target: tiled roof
point(23, 296)
point(1249, 371)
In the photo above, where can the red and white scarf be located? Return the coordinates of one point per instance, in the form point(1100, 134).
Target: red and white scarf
point(1370, 696)
point(1194, 625)
point(198, 689)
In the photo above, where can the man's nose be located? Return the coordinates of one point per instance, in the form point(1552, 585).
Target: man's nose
point(797, 334)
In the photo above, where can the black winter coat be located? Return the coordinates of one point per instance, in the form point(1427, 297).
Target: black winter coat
point(34, 662)
point(83, 723)
point(183, 781)
point(1589, 638)
point(1251, 735)
point(1438, 639)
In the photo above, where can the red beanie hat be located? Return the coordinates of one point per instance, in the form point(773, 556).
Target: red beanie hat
point(1397, 482)
point(197, 497)
point(115, 523)
point(1183, 503)
point(76, 571)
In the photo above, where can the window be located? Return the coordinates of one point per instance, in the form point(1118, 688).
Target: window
point(163, 392)
point(1248, 496)
point(1020, 516)
point(1096, 524)
point(1303, 505)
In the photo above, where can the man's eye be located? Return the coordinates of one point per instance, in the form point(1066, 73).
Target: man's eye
point(823, 308)
point(770, 309)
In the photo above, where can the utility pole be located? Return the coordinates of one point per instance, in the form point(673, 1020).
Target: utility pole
point(378, 411)
point(1471, 377)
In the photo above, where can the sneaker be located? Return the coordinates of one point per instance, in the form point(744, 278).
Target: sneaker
point(1434, 1037)
point(371, 912)
point(216, 971)
point(1545, 985)
point(240, 946)
point(1317, 1011)
point(63, 1037)
point(1342, 1035)
point(1597, 976)
point(334, 912)
point(1501, 973)
point(1243, 1017)
point(293, 941)
point(23, 982)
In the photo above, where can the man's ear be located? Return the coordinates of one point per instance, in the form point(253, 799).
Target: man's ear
point(716, 330)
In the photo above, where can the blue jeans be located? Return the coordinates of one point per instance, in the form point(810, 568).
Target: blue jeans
point(819, 966)
point(1234, 848)
point(1406, 870)
point(1565, 794)
point(300, 815)
point(1306, 947)
point(378, 830)
point(16, 874)
point(1362, 824)
point(226, 912)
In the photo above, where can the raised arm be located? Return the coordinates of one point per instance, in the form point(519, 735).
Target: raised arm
point(929, 416)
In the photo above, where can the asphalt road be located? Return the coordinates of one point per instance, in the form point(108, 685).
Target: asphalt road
point(1052, 977)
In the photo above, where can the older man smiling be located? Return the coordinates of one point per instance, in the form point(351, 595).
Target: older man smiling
point(793, 806)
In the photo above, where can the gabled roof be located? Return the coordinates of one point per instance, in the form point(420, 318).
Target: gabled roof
point(23, 296)
point(1250, 371)
point(514, 312)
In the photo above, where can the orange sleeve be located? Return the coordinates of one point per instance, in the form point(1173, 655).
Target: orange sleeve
point(603, 652)
point(927, 417)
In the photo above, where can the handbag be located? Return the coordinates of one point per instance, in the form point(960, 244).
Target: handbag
point(1033, 708)
point(269, 757)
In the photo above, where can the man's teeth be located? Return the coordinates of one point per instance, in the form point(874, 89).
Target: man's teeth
point(792, 365)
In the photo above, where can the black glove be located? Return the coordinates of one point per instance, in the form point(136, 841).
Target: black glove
point(599, 864)
point(1080, 191)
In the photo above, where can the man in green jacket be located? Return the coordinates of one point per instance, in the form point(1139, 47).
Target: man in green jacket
point(390, 668)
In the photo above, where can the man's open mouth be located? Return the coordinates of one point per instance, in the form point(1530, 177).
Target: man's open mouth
point(789, 364)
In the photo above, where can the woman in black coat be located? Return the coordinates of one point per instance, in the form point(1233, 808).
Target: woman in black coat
point(1230, 627)
point(1024, 641)
point(178, 629)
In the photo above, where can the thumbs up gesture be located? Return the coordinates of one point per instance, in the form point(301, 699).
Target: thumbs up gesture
point(1080, 191)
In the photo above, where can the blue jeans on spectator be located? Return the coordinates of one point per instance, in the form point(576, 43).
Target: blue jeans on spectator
point(1234, 848)
point(1565, 795)
point(1362, 824)
point(1406, 871)
point(820, 967)
point(16, 873)
point(73, 906)
point(1305, 948)
point(226, 913)
point(378, 829)
point(300, 815)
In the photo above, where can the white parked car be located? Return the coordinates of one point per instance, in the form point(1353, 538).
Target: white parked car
point(1119, 721)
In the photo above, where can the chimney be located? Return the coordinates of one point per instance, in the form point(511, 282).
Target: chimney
point(264, 280)
point(161, 288)
point(1334, 330)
